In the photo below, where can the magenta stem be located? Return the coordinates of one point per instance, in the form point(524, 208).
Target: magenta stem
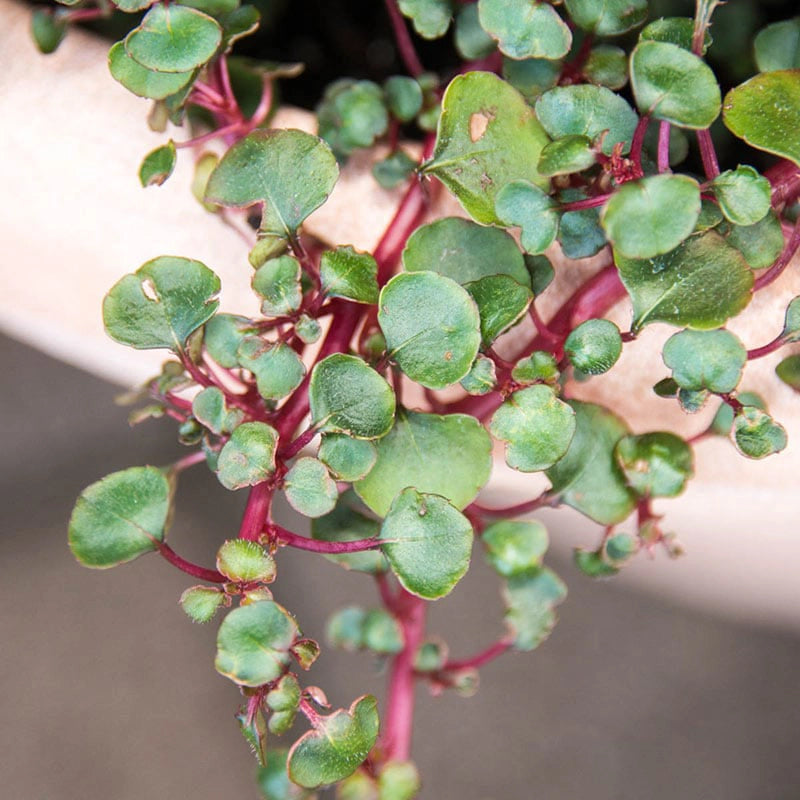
point(298, 444)
point(189, 461)
point(207, 137)
point(638, 141)
point(663, 146)
point(766, 349)
point(256, 512)
point(405, 45)
point(512, 511)
point(782, 261)
point(478, 660)
point(589, 202)
point(708, 154)
point(318, 546)
point(210, 575)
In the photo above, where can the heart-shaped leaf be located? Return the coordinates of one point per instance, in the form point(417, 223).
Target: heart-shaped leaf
point(248, 457)
point(278, 368)
point(756, 434)
point(744, 195)
point(309, 488)
point(501, 302)
point(522, 204)
point(525, 29)
point(244, 561)
point(711, 360)
point(277, 282)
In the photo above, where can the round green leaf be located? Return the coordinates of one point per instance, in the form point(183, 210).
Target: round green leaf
point(248, 457)
point(579, 232)
point(243, 561)
point(142, 81)
point(464, 251)
point(744, 196)
point(530, 600)
point(393, 170)
point(471, 39)
point(347, 458)
point(399, 780)
point(778, 46)
point(487, 136)
point(120, 517)
point(428, 543)
point(593, 564)
point(200, 603)
point(524, 29)
point(481, 378)
point(789, 371)
point(674, 287)
point(589, 111)
point(675, 85)
point(445, 455)
point(277, 282)
point(309, 488)
point(651, 216)
point(174, 39)
point(291, 171)
point(308, 330)
point(567, 155)
point(431, 18)
point(722, 423)
point(352, 114)
point(522, 204)
point(536, 426)
point(655, 464)
point(209, 409)
point(348, 396)
point(345, 628)
point(607, 17)
point(222, 336)
point(711, 360)
point(278, 368)
point(674, 30)
point(431, 326)
point(760, 244)
point(756, 434)
point(160, 304)
point(501, 303)
point(253, 643)
point(286, 695)
point(274, 783)
point(337, 746)
point(382, 632)
point(403, 97)
point(346, 273)
point(607, 66)
point(765, 112)
point(540, 366)
point(620, 547)
point(594, 346)
point(514, 548)
point(158, 165)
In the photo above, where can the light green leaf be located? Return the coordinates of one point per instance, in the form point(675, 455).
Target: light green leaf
point(789, 371)
point(791, 321)
point(501, 302)
point(222, 336)
point(588, 477)
point(348, 396)
point(531, 76)
point(674, 287)
point(347, 458)
point(431, 326)
point(277, 283)
point(382, 632)
point(398, 780)
point(515, 548)
point(522, 204)
point(253, 643)
point(274, 783)
point(765, 112)
point(756, 434)
point(711, 360)
point(278, 368)
point(594, 346)
point(722, 423)
point(428, 543)
point(525, 29)
point(243, 561)
point(487, 136)
point(174, 39)
point(536, 426)
point(345, 272)
point(345, 628)
point(593, 564)
point(744, 196)
point(675, 85)
point(471, 39)
point(48, 31)
point(159, 305)
point(200, 603)
point(209, 409)
point(674, 30)
point(352, 114)
point(120, 517)
point(655, 464)
point(445, 455)
point(339, 743)
point(530, 600)
point(403, 97)
point(778, 46)
point(607, 17)
point(567, 155)
point(291, 171)
point(539, 366)
point(431, 18)
point(607, 66)
point(651, 216)
point(248, 457)
point(760, 244)
point(158, 165)
point(142, 81)
point(481, 378)
point(307, 329)
point(309, 488)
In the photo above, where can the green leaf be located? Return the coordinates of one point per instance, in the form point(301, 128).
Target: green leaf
point(567, 155)
point(756, 434)
point(248, 457)
point(309, 488)
point(431, 655)
point(382, 632)
point(674, 30)
point(274, 783)
point(253, 643)
point(428, 543)
point(254, 730)
point(307, 329)
point(47, 30)
point(431, 326)
point(514, 548)
point(594, 346)
point(286, 695)
point(655, 464)
point(337, 745)
point(348, 459)
point(536, 426)
point(431, 18)
point(240, 23)
point(675, 85)
point(579, 232)
point(593, 564)
point(398, 780)
point(174, 39)
point(487, 136)
point(744, 196)
point(722, 423)
point(159, 305)
point(524, 29)
point(291, 171)
point(348, 522)
point(789, 371)
point(607, 17)
point(305, 652)
point(445, 455)
point(620, 547)
point(501, 302)
point(778, 46)
point(243, 561)
point(481, 378)
point(210, 410)
point(278, 368)
point(522, 204)
point(538, 366)
point(403, 97)
point(471, 40)
point(464, 251)
point(651, 216)
point(352, 114)
point(590, 111)
point(673, 288)
point(531, 76)
point(277, 283)
point(711, 360)
point(760, 244)
point(530, 600)
point(222, 336)
point(765, 112)
point(541, 272)
point(120, 517)
point(347, 273)
point(345, 628)
point(158, 165)
point(348, 396)
point(692, 400)
point(791, 321)
point(588, 477)
point(200, 603)
point(214, 8)
point(607, 66)
point(393, 170)
point(142, 81)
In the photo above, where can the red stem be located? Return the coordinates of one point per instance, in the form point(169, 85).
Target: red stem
point(638, 141)
point(298, 444)
point(210, 575)
point(589, 202)
point(478, 660)
point(513, 511)
point(708, 154)
point(405, 45)
point(782, 261)
point(319, 546)
point(256, 512)
point(785, 179)
point(766, 349)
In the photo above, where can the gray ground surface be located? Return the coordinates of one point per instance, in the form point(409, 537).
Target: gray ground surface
point(109, 692)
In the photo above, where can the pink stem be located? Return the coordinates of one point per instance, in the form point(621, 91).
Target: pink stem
point(207, 137)
point(189, 461)
point(589, 202)
point(256, 512)
point(319, 546)
point(298, 444)
point(638, 141)
point(663, 146)
point(478, 660)
point(512, 511)
point(766, 349)
point(708, 154)
point(782, 261)
point(210, 575)
point(403, 39)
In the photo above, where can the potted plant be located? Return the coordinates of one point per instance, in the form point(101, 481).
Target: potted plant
point(373, 386)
